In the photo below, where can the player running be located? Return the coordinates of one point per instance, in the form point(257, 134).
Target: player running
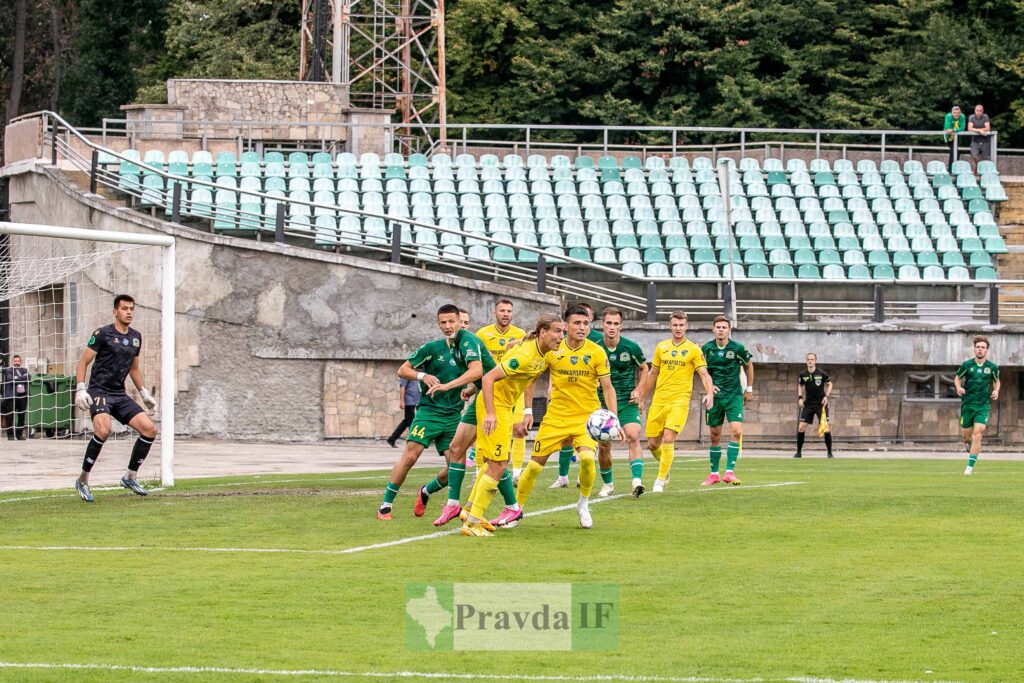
point(977, 385)
point(578, 367)
point(114, 351)
point(672, 367)
point(442, 368)
point(502, 388)
point(629, 372)
point(499, 338)
point(725, 357)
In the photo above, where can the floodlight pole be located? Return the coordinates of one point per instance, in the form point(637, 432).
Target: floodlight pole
point(723, 184)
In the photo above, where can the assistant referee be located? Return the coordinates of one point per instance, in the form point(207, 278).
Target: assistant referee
point(812, 392)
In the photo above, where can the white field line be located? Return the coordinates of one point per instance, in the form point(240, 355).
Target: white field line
point(431, 675)
point(361, 548)
point(312, 478)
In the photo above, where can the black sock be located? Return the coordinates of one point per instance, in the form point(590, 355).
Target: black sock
point(139, 452)
point(800, 441)
point(828, 441)
point(92, 453)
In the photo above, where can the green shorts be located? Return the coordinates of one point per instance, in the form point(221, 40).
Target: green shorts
point(438, 430)
point(629, 414)
point(973, 415)
point(469, 414)
point(724, 408)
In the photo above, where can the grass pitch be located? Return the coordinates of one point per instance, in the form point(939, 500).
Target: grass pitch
point(867, 570)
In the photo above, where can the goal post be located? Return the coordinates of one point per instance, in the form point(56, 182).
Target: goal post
point(22, 273)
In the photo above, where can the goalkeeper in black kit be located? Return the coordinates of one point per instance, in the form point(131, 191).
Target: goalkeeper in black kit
point(114, 352)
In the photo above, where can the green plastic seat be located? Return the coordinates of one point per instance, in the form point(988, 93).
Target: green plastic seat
point(583, 162)
point(878, 257)
point(655, 255)
point(580, 254)
point(783, 270)
point(632, 162)
point(883, 272)
point(803, 257)
point(829, 257)
point(985, 273)
point(858, 272)
point(980, 259)
point(808, 271)
point(903, 258)
point(758, 270)
point(824, 178)
point(777, 178)
point(704, 255)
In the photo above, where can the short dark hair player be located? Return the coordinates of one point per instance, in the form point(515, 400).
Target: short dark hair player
point(114, 351)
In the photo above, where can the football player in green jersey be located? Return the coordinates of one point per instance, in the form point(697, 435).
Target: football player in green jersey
point(629, 371)
point(725, 357)
point(977, 385)
point(442, 368)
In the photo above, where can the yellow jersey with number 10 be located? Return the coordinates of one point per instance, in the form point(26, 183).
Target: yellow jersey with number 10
point(575, 375)
point(676, 364)
point(498, 342)
point(521, 365)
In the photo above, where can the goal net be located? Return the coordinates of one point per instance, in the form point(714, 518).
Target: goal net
point(57, 286)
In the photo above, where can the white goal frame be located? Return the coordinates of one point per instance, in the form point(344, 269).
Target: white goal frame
point(167, 301)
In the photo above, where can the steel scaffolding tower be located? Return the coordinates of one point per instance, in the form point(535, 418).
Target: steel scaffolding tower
point(392, 57)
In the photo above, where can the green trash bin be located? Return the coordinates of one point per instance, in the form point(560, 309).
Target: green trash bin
point(50, 404)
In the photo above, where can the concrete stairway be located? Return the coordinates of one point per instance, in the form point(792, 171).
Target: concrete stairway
point(1011, 225)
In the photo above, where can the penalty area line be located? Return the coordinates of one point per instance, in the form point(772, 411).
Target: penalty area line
point(431, 675)
point(361, 548)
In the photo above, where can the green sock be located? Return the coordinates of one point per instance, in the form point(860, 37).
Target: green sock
point(636, 468)
point(606, 475)
point(973, 459)
point(389, 493)
point(731, 455)
point(433, 486)
point(506, 489)
point(716, 458)
point(456, 473)
point(564, 460)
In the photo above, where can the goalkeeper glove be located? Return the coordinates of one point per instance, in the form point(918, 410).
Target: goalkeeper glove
point(82, 398)
point(147, 399)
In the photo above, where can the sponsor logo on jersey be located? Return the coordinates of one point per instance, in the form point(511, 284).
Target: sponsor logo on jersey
point(729, 354)
point(988, 371)
point(514, 364)
point(623, 356)
point(451, 361)
point(135, 342)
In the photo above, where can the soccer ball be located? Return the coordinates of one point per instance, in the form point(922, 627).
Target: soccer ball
point(603, 425)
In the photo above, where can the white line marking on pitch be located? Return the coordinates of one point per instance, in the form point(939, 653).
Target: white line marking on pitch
point(431, 675)
point(361, 548)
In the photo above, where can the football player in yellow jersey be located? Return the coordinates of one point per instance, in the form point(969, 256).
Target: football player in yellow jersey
point(577, 368)
point(499, 339)
point(502, 388)
point(672, 366)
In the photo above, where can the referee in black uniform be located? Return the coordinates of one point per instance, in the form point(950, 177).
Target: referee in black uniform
point(812, 392)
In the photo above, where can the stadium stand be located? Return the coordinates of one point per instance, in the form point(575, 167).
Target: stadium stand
point(662, 218)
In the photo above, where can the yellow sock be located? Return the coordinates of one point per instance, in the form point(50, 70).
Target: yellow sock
point(526, 481)
point(656, 452)
point(588, 472)
point(518, 453)
point(472, 493)
point(668, 453)
point(485, 492)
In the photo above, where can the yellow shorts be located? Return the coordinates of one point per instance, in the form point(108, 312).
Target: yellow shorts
point(517, 410)
point(493, 446)
point(554, 432)
point(664, 416)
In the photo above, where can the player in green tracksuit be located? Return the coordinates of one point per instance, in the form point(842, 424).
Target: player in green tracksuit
point(442, 368)
point(725, 357)
point(977, 385)
point(625, 359)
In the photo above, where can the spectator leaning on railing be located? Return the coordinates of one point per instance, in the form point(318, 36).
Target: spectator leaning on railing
point(955, 122)
point(980, 143)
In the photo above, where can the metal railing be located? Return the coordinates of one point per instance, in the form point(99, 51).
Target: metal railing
point(642, 141)
point(562, 275)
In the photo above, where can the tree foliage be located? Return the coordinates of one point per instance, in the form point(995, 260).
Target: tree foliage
point(769, 63)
